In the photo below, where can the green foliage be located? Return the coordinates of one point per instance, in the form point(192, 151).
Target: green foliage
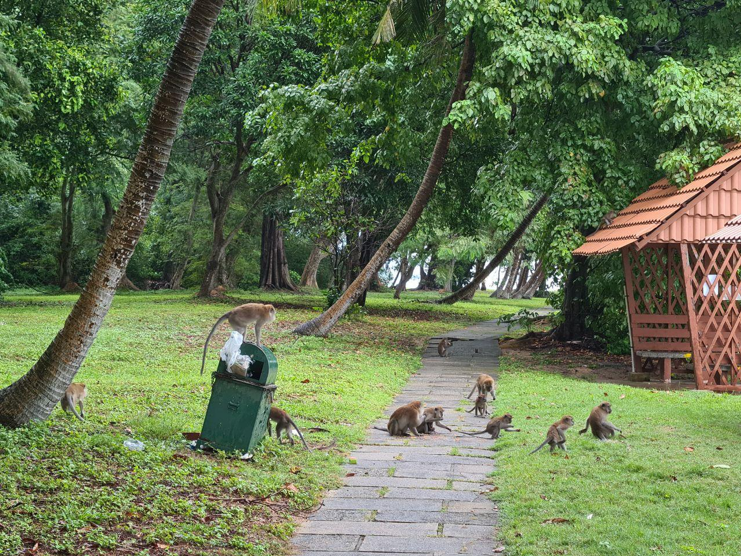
point(5, 278)
point(15, 107)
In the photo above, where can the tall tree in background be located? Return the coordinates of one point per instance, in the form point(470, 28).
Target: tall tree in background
point(33, 396)
point(322, 324)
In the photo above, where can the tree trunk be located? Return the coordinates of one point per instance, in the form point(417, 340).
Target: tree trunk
point(428, 280)
point(501, 255)
point(575, 306)
point(273, 262)
point(480, 264)
point(34, 395)
point(405, 274)
point(322, 324)
point(67, 197)
point(318, 254)
point(177, 276)
point(535, 281)
point(448, 287)
point(516, 262)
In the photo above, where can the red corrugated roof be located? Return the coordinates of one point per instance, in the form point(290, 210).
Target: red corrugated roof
point(730, 233)
point(666, 214)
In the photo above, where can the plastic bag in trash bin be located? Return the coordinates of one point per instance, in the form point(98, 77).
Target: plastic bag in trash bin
point(230, 351)
point(241, 365)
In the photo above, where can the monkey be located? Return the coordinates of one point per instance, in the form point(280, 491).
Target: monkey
point(479, 407)
point(432, 417)
point(601, 427)
point(442, 347)
point(495, 426)
point(607, 219)
point(485, 384)
point(74, 395)
point(555, 436)
point(406, 418)
point(239, 318)
point(283, 422)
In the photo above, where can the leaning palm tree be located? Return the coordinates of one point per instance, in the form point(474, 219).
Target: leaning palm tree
point(34, 395)
point(417, 16)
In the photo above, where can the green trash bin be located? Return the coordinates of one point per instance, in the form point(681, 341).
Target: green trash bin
point(237, 414)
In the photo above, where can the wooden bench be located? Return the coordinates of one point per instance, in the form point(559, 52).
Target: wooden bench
point(666, 360)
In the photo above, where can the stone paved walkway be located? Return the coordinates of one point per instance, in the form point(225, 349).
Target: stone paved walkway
point(419, 496)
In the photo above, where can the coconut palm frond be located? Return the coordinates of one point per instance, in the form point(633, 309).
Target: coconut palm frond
point(386, 30)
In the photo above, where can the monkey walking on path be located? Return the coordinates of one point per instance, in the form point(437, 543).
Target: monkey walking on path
point(442, 347)
point(495, 426)
point(555, 436)
point(601, 427)
point(241, 317)
point(485, 385)
point(283, 422)
point(74, 395)
point(479, 407)
point(405, 419)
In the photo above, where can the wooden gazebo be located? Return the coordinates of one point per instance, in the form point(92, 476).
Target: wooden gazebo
point(681, 252)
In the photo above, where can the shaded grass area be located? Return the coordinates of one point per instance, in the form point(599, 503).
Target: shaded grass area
point(73, 488)
point(653, 492)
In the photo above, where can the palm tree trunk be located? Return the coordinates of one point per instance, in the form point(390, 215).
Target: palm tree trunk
point(35, 394)
point(516, 262)
point(322, 324)
point(503, 252)
point(177, 276)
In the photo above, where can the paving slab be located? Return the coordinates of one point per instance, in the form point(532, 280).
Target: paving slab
point(419, 496)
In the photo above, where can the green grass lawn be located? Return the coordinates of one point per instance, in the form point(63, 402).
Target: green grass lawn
point(653, 492)
point(73, 487)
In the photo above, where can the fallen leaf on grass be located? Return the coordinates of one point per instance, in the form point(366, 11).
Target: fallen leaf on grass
point(674, 478)
point(718, 447)
point(499, 550)
point(295, 470)
point(305, 381)
point(290, 487)
point(543, 497)
point(622, 397)
point(556, 520)
point(349, 474)
point(590, 516)
point(720, 466)
point(689, 449)
point(161, 545)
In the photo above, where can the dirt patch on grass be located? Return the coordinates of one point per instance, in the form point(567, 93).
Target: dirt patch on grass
point(574, 361)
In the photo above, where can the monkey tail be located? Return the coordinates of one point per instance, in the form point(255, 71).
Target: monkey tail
point(380, 429)
point(222, 318)
point(585, 429)
point(301, 436)
point(472, 389)
point(471, 433)
point(539, 447)
point(470, 410)
point(439, 424)
point(70, 403)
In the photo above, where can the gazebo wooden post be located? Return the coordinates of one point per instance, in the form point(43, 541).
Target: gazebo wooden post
point(691, 315)
point(630, 308)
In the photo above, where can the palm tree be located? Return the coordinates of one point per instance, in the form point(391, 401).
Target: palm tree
point(469, 289)
point(322, 324)
point(34, 395)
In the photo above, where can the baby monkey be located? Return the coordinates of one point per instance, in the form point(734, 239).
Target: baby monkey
point(405, 419)
point(601, 427)
point(495, 426)
point(283, 422)
point(555, 437)
point(433, 416)
point(480, 407)
point(485, 385)
point(74, 395)
point(442, 347)
point(241, 317)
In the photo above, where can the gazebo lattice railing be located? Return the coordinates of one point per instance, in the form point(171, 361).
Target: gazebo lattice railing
point(716, 297)
point(657, 305)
